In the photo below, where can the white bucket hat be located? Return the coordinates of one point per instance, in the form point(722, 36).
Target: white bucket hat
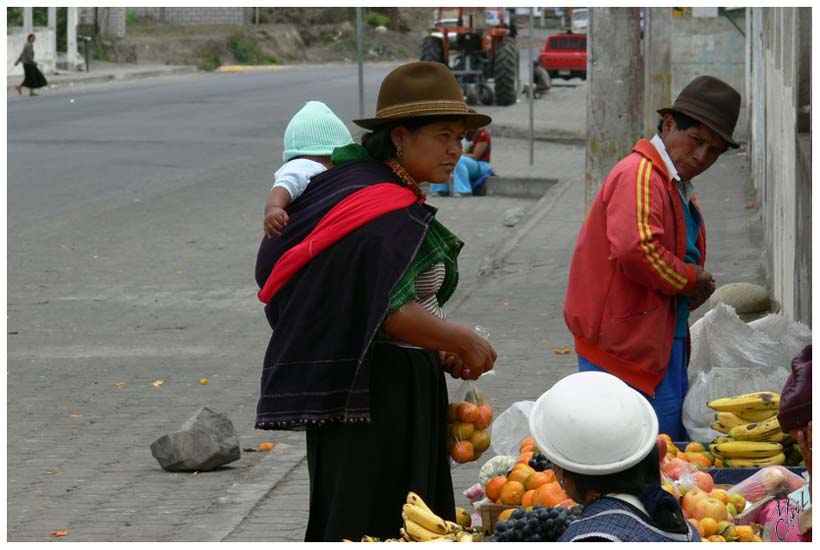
point(593, 423)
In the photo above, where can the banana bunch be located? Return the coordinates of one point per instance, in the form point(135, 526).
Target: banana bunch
point(749, 417)
point(748, 454)
point(422, 525)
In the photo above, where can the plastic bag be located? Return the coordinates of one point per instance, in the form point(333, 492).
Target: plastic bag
point(470, 419)
point(730, 357)
point(511, 427)
point(770, 480)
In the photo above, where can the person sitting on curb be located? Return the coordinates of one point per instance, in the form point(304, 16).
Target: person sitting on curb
point(637, 269)
point(472, 165)
point(601, 436)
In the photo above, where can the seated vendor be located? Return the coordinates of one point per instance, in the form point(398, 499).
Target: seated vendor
point(601, 436)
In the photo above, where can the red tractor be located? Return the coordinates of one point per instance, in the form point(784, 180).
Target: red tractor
point(484, 48)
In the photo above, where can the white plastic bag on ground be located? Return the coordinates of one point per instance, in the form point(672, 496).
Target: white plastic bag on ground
point(730, 357)
point(510, 427)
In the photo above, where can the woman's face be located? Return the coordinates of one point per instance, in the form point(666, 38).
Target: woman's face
point(430, 153)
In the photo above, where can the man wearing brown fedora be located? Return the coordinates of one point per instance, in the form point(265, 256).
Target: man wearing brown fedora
point(637, 269)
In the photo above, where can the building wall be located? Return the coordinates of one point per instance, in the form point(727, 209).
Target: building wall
point(111, 21)
point(780, 159)
point(707, 44)
point(198, 16)
point(45, 49)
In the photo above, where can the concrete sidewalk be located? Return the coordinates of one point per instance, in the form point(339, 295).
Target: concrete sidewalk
point(103, 71)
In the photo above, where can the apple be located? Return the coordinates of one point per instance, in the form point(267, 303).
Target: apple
point(704, 481)
point(691, 498)
point(710, 507)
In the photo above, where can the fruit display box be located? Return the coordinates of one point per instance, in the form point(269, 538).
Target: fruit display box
point(489, 516)
point(733, 476)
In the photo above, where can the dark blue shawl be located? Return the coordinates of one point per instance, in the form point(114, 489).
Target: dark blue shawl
point(317, 365)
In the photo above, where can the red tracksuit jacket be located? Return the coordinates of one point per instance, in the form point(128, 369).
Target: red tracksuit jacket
point(627, 269)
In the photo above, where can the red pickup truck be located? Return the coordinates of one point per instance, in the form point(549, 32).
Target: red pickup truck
point(565, 56)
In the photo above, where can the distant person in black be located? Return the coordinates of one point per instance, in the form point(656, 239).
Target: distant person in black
point(34, 78)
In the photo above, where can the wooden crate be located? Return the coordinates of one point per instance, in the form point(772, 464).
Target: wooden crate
point(489, 516)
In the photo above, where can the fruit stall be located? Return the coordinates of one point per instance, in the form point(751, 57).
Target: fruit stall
point(731, 489)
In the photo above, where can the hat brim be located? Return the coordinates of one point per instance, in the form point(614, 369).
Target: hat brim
point(691, 114)
point(471, 120)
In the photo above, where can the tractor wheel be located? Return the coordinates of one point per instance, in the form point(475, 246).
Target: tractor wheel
point(485, 94)
point(432, 49)
point(506, 72)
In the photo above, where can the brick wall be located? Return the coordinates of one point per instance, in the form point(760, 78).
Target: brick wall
point(198, 16)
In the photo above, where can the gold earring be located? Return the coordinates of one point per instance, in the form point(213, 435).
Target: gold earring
point(399, 150)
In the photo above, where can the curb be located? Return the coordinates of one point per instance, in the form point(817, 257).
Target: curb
point(528, 188)
point(552, 135)
point(228, 511)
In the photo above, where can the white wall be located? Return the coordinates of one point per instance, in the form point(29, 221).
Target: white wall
point(45, 49)
point(778, 168)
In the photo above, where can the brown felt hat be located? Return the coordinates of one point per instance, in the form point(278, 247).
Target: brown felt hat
point(421, 89)
point(712, 102)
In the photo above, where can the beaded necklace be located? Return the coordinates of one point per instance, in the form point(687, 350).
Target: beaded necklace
point(408, 180)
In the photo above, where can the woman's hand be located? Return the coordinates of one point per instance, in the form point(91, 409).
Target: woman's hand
point(464, 354)
point(476, 354)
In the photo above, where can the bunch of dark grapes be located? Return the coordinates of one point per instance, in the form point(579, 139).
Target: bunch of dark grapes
point(539, 462)
point(538, 525)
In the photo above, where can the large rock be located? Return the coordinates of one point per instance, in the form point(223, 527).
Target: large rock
point(749, 301)
point(206, 441)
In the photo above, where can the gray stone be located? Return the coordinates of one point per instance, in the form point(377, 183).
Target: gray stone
point(513, 216)
point(205, 442)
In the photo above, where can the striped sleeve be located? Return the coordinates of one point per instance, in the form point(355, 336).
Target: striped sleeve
point(635, 222)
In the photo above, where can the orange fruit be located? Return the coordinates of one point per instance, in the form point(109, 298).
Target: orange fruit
point(485, 417)
point(462, 452)
point(721, 495)
point(462, 431)
point(526, 500)
point(521, 475)
point(694, 447)
point(512, 492)
point(493, 489)
point(708, 527)
point(524, 442)
point(536, 480)
point(526, 449)
point(696, 524)
point(467, 412)
point(266, 446)
point(526, 467)
point(480, 441)
point(505, 514)
point(700, 460)
point(567, 503)
point(549, 494)
point(524, 458)
point(715, 538)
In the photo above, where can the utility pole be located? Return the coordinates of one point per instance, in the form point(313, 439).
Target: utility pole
point(657, 65)
point(359, 39)
point(531, 94)
point(615, 91)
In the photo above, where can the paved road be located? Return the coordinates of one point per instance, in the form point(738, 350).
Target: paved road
point(134, 217)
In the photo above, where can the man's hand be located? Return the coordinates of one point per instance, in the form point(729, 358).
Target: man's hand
point(704, 287)
point(275, 220)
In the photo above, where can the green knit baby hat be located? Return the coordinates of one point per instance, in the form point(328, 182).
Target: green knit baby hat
point(314, 130)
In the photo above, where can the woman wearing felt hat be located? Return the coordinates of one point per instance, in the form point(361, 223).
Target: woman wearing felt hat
point(601, 436)
point(354, 289)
